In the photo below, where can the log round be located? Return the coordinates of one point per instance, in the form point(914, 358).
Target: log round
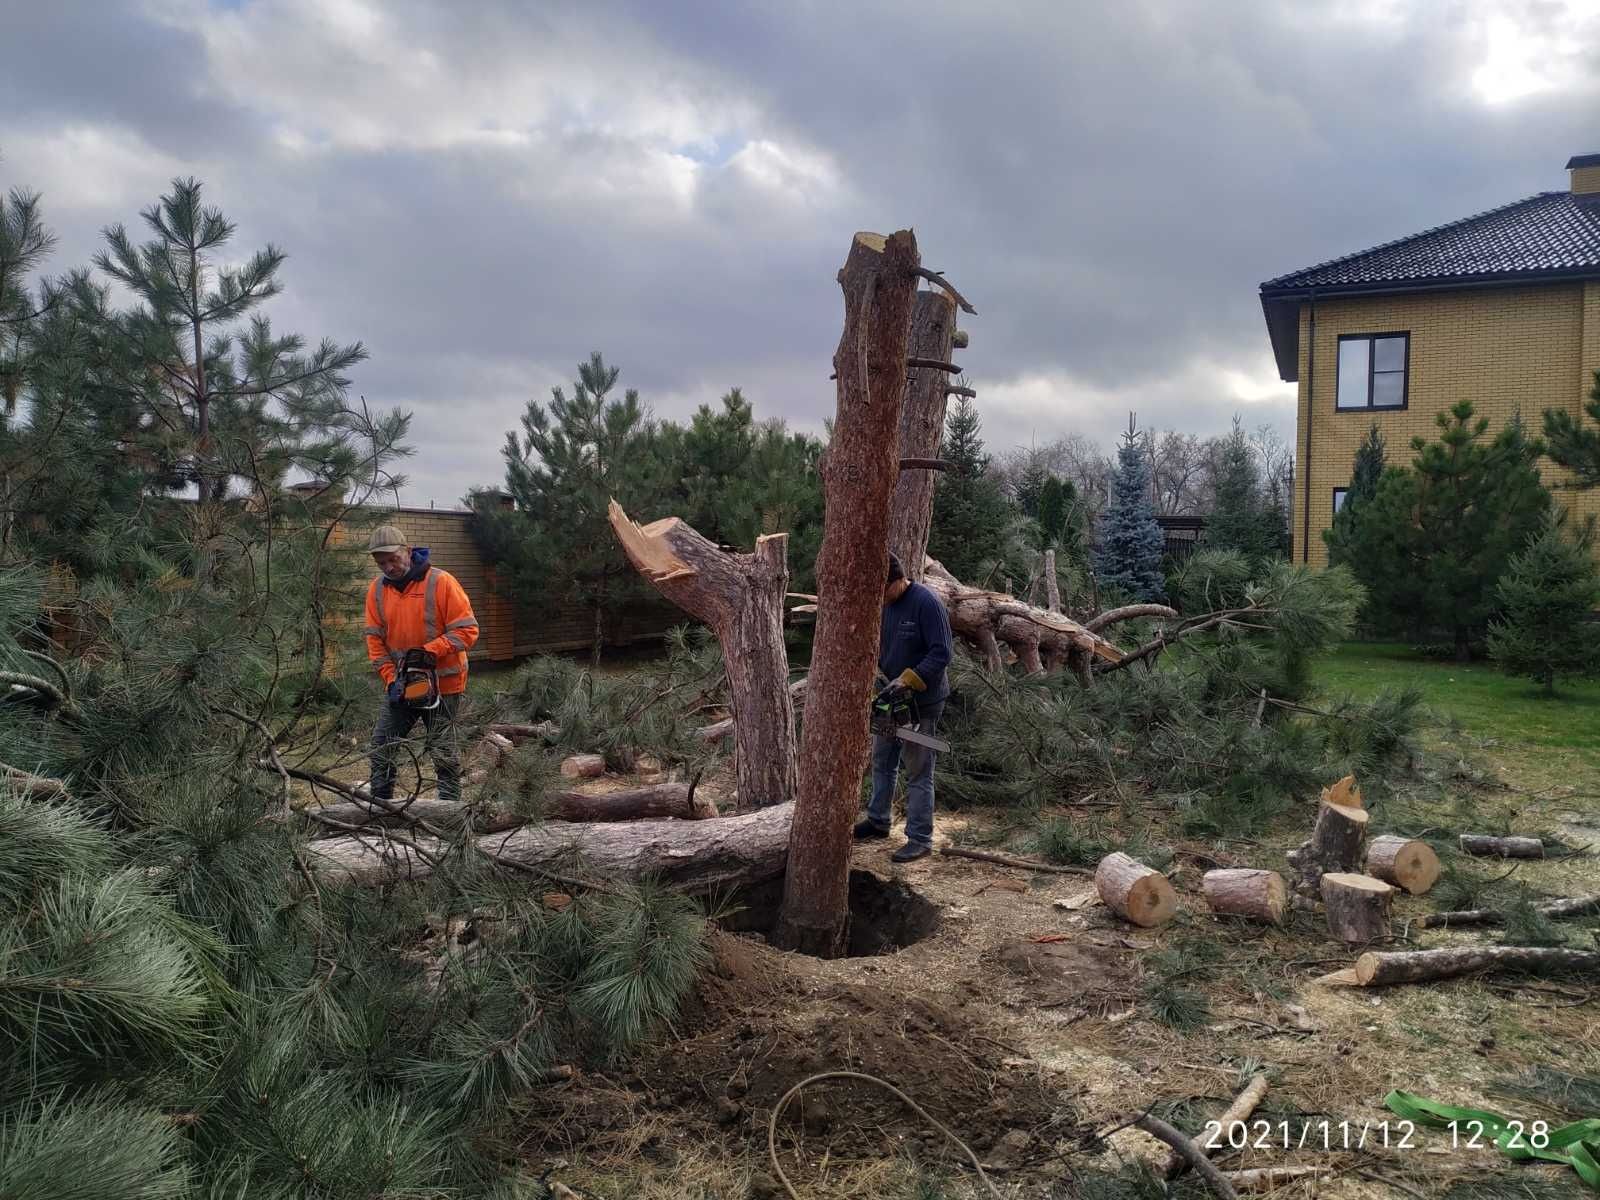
point(696, 856)
point(1242, 892)
point(1135, 892)
point(1334, 845)
point(1404, 862)
point(1420, 966)
point(584, 766)
point(1485, 846)
point(1357, 906)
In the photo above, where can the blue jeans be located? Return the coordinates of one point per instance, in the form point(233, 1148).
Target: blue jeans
point(395, 723)
point(887, 755)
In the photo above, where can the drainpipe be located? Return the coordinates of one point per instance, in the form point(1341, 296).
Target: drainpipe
point(1311, 419)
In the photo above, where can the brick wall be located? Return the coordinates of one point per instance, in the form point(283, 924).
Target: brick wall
point(1507, 350)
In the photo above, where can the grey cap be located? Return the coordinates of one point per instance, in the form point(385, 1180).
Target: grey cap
point(386, 539)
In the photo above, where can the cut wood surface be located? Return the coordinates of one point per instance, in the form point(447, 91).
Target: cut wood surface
point(697, 856)
point(1404, 862)
point(1134, 891)
point(1357, 906)
point(1556, 910)
point(584, 766)
point(1244, 892)
point(1243, 1105)
point(1345, 793)
point(1334, 845)
point(1375, 969)
point(1486, 846)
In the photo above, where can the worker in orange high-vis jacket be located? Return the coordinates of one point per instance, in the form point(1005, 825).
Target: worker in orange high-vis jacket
point(413, 606)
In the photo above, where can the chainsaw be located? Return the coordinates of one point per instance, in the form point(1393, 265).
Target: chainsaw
point(895, 715)
point(419, 679)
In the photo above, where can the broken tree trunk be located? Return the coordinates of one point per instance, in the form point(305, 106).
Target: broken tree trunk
point(1259, 895)
point(1243, 1105)
point(653, 801)
point(1404, 862)
point(740, 596)
point(1135, 892)
point(1556, 910)
point(1375, 969)
point(1335, 842)
point(933, 327)
point(1357, 906)
point(696, 856)
point(879, 280)
point(987, 618)
point(1052, 585)
point(1485, 846)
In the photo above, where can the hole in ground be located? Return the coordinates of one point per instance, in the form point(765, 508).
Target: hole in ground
point(885, 914)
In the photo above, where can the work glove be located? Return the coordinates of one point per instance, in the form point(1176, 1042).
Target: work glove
point(396, 692)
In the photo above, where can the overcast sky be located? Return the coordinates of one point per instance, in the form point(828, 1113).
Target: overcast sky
point(485, 192)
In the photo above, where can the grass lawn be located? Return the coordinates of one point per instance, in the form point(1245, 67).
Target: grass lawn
point(1539, 736)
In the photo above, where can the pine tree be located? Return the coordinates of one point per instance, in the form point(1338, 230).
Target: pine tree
point(1341, 536)
point(1547, 596)
point(1574, 444)
point(972, 520)
point(1128, 556)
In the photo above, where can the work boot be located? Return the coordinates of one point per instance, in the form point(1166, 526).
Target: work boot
point(910, 852)
point(866, 831)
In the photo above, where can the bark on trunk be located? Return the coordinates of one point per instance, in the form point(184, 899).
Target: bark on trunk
point(718, 730)
point(1403, 862)
point(1135, 892)
point(933, 327)
point(696, 856)
point(983, 617)
point(1556, 910)
point(1335, 845)
point(1375, 969)
point(858, 474)
point(1259, 895)
point(1357, 906)
point(740, 596)
point(1501, 847)
point(658, 800)
point(1052, 585)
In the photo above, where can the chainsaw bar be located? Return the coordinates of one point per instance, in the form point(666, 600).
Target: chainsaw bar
point(906, 734)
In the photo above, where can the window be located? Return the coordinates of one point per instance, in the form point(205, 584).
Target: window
point(1372, 370)
point(1338, 499)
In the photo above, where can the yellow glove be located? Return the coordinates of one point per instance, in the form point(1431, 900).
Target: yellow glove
point(912, 680)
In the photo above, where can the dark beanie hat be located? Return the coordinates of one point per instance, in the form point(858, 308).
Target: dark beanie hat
point(896, 571)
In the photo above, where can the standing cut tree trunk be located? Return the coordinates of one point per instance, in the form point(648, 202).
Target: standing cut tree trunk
point(741, 597)
point(933, 327)
point(859, 471)
point(1357, 906)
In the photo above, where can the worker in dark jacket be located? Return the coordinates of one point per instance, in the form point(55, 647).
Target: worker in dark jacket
point(913, 652)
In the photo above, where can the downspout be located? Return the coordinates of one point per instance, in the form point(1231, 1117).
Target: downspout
point(1311, 419)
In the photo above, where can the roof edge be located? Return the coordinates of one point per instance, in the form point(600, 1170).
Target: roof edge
point(1583, 160)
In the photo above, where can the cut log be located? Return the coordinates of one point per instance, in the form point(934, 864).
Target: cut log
point(1135, 892)
point(858, 472)
point(630, 804)
point(1556, 910)
point(1357, 906)
point(584, 766)
point(1485, 846)
point(740, 596)
point(1375, 969)
point(1259, 895)
point(695, 856)
point(933, 325)
point(1334, 845)
point(1243, 1105)
point(1404, 862)
point(522, 732)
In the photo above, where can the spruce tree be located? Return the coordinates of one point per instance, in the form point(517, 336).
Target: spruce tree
point(1238, 519)
point(1365, 474)
point(1574, 444)
point(1547, 597)
point(1128, 556)
point(972, 520)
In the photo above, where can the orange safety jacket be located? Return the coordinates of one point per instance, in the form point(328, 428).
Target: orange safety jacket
point(432, 613)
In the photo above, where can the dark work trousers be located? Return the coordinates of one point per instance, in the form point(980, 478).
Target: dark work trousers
point(395, 724)
point(888, 755)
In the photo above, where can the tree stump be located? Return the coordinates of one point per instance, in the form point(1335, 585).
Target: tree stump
point(740, 596)
point(1485, 846)
point(1334, 845)
point(584, 766)
point(1134, 891)
point(1357, 906)
point(1404, 862)
point(1259, 895)
point(859, 472)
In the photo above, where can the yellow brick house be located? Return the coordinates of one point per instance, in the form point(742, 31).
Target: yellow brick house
point(1502, 309)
